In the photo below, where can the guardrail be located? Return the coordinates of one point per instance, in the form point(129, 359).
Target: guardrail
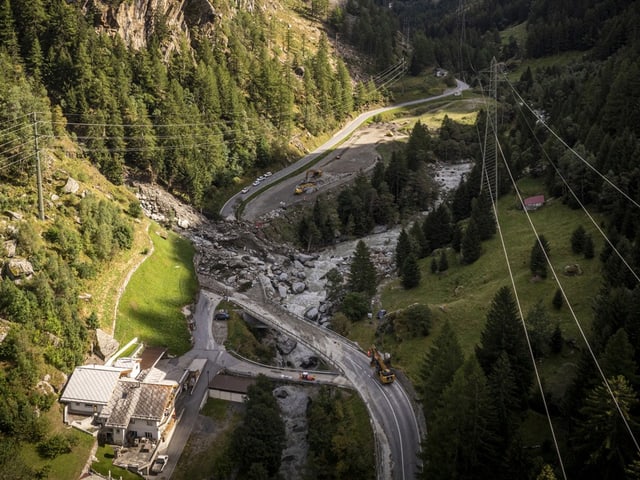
point(222, 290)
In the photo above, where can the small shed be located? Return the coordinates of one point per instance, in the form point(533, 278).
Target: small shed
point(230, 387)
point(533, 203)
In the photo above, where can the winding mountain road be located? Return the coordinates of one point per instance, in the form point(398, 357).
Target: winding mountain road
point(280, 186)
point(395, 422)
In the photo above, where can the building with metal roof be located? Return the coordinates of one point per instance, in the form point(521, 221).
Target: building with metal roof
point(89, 389)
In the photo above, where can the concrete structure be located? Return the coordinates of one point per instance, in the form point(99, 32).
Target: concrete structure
point(129, 366)
point(89, 389)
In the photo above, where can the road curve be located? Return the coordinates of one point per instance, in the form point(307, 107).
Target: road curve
point(255, 206)
point(392, 416)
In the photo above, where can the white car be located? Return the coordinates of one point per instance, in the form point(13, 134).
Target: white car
point(268, 174)
point(244, 190)
point(159, 463)
point(256, 183)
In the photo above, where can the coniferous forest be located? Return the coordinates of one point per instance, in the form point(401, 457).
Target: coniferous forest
point(238, 91)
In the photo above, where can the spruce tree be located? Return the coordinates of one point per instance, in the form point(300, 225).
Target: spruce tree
point(418, 146)
point(558, 299)
point(482, 211)
point(538, 262)
point(601, 443)
point(403, 249)
point(577, 239)
point(588, 248)
point(417, 235)
point(539, 329)
point(462, 439)
point(437, 369)
point(503, 333)
point(618, 358)
point(443, 263)
point(556, 340)
point(471, 247)
point(362, 274)
point(410, 272)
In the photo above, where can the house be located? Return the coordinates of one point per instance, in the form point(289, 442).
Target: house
point(440, 72)
point(533, 203)
point(137, 410)
point(89, 389)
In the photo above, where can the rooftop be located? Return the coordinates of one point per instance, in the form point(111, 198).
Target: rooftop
point(534, 200)
point(133, 399)
point(91, 384)
point(231, 383)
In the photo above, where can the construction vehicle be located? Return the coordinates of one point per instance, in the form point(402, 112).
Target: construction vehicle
point(307, 376)
point(381, 362)
point(308, 185)
point(312, 175)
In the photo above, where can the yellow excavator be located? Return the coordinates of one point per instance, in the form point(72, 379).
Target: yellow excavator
point(381, 362)
point(309, 182)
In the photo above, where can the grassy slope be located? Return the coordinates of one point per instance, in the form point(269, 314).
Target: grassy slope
point(463, 295)
point(150, 308)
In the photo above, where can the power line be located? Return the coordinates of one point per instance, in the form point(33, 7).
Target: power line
point(542, 122)
point(556, 278)
point(494, 203)
point(577, 199)
point(575, 318)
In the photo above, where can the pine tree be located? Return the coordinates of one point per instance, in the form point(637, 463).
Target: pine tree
point(538, 262)
point(588, 248)
point(602, 444)
point(471, 247)
point(558, 299)
point(418, 238)
point(418, 146)
point(410, 272)
point(403, 249)
point(503, 333)
point(438, 368)
point(362, 274)
point(539, 329)
point(437, 227)
point(618, 358)
point(8, 37)
point(577, 239)
point(482, 211)
point(461, 441)
point(546, 473)
point(556, 340)
point(502, 384)
point(443, 263)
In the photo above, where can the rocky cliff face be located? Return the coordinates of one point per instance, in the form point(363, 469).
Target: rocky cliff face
point(133, 20)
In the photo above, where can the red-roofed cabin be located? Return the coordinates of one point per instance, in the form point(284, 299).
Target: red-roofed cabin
point(534, 203)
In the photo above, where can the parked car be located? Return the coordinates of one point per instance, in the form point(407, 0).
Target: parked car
point(221, 315)
point(268, 174)
point(159, 463)
point(245, 190)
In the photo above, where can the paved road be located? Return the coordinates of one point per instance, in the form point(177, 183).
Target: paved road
point(270, 197)
point(205, 346)
point(393, 418)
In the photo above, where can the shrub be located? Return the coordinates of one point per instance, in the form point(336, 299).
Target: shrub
point(135, 210)
point(355, 306)
point(56, 445)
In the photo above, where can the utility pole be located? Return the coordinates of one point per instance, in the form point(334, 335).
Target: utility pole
point(38, 168)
